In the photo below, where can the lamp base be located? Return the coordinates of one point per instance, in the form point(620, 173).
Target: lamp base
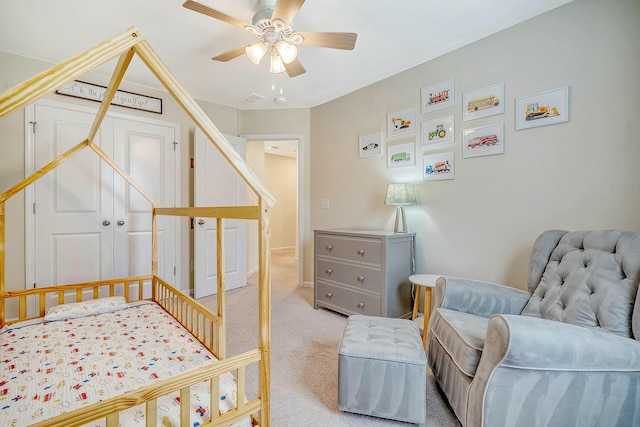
point(401, 221)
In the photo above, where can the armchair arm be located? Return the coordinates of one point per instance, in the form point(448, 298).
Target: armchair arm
point(533, 343)
point(479, 298)
point(557, 373)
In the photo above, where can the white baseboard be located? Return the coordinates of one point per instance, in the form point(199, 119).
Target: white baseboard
point(308, 285)
point(252, 272)
point(283, 249)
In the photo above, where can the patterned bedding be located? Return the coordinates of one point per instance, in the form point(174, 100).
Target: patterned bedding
point(52, 367)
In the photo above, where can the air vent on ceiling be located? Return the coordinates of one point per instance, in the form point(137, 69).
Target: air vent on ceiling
point(252, 99)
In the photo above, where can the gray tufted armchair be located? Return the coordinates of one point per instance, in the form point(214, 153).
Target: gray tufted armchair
point(564, 354)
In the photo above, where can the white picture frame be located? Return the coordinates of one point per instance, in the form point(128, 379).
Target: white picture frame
point(483, 141)
point(401, 155)
point(370, 145)
point(437, 131)
point(483, 102)
point(400, 123)
point(437, 167)
point(547, 108)
point(437, 96)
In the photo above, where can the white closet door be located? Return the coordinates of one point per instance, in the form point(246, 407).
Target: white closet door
point(73, 203)
point(216, 183)
point(89, 224)
point(146, 152)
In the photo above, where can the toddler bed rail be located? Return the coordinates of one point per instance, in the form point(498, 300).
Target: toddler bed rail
point(197, 319)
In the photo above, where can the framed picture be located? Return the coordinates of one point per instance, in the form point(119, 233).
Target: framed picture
point(401, 155)
point(483, 141)
point(437, 131)
point(437, 96)
point(544, 108)
point(439, 166)
point(483, 102)
point(400, 123)
point(370, 145)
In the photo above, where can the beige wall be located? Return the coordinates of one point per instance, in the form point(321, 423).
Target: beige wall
point(580, 174)
point(280, 179)
point(575, 175)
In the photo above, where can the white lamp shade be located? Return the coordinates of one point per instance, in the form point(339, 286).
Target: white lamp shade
point(256, 51)
point(287, 51)
point(277, 66)
point(400, 194)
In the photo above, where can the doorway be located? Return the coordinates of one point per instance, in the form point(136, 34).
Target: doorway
point(277, 159)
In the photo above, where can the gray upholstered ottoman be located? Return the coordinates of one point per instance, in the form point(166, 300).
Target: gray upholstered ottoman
point(382, 369)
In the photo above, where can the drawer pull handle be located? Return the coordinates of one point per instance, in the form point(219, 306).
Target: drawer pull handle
point(329, 271)
point(360, 305)
point(360, 278)
point(330, 248)
point(329, 294)
point(361, 252)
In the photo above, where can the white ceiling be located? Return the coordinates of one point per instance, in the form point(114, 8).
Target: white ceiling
point(393, 36)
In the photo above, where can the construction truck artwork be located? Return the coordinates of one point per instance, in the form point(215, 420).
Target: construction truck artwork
point(536, 111)
point(399, 123)
point(438, 167)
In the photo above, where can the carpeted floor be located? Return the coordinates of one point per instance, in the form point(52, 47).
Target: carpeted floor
point(304, 354)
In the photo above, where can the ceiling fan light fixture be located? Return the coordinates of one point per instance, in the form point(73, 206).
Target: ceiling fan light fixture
point(288, 51)
point(256, 51)
point(277, 66)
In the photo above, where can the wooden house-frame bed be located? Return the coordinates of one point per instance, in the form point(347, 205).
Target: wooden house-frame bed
point(207, 327)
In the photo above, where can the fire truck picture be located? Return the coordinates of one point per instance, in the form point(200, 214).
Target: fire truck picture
point(440, 132)
point(536, 111)
point(483, 141)
point(436, 98)
point(438, 167)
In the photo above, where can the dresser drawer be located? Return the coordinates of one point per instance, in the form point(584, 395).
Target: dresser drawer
point(327, 245)
point(364, 250)
point(352, 275)
point(347, 301)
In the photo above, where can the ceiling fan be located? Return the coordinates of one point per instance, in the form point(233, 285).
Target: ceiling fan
point(272, 26)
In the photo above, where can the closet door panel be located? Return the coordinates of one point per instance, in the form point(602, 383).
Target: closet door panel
point(73, 236)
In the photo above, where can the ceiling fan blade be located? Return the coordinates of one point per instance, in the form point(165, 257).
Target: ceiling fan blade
point(345, 41)
point(286, 10)
point(197, 7)
point(231, 54)
point(294, 68)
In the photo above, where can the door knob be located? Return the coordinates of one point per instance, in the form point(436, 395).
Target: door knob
point(120, 223)
point(106, 223)
point(201, 221)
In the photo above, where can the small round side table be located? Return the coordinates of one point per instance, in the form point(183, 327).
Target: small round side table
point(428, 281)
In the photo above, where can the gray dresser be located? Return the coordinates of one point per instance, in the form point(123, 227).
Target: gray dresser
point(364, 272)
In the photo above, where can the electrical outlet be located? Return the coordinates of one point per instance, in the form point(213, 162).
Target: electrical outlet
point(325, 203)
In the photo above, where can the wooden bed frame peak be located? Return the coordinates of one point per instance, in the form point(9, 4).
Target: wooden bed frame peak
point(207, 327)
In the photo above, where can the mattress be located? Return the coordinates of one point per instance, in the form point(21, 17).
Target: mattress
point(53, 367)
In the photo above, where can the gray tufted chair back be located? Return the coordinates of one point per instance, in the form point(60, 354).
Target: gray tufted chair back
point(587, 278)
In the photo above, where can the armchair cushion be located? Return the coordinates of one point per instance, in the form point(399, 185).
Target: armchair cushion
point(461, 335)
point(591, 279)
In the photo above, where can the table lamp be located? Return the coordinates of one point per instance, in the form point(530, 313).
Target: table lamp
point(400, 195)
